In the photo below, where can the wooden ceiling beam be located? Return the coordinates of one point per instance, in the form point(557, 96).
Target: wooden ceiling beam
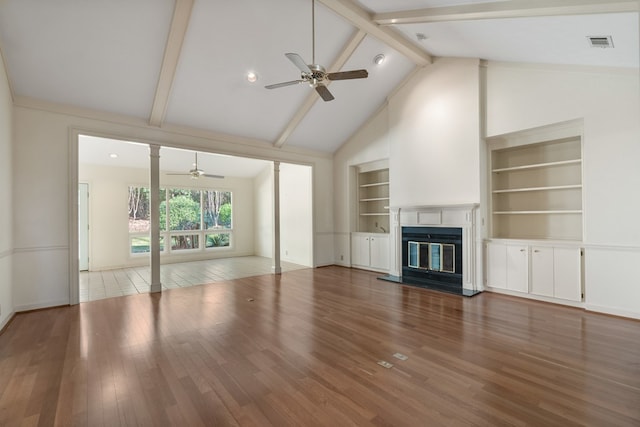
point(177, 32)
point(505, 10)
point(362, 19)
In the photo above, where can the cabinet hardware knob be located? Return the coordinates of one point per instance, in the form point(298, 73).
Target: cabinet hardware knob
point(523, 250)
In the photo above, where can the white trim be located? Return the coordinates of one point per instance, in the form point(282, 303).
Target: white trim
point(577, 304)
point(613, 311)
point(40, 249)
point(45, 304)
point(72, 215)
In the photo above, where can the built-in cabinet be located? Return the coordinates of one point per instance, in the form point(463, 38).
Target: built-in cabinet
point(537, 270)
point(370, 251)
point(370, 230)
point(535, 213)
point(373, 200)
point(536, 190)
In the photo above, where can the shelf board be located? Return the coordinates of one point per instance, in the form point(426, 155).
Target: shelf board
point(375, 184)
point(537, 212)
point(555, 187)
point(538, 165)
point(374, 199)
point(375, 214)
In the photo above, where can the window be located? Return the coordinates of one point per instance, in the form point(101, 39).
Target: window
point(188, 218)
point(138, 209)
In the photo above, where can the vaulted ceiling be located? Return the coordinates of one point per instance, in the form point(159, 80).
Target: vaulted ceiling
point(184, 62)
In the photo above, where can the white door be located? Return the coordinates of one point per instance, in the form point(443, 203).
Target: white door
point(83, 226)
point(497, 265)
point(542, 271)
point(518, 268)
point(566, 274)
point(379, 251)
point(360, 249)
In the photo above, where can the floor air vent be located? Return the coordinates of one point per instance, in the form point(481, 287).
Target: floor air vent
point(600, 41)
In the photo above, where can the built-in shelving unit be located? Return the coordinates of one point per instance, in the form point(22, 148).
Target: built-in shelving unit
point(373, 200)
point(536, 190)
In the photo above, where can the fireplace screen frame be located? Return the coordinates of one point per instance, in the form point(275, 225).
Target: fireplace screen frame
point(431, 256)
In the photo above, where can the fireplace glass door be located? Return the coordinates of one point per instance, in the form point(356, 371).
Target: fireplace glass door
point(431, 256)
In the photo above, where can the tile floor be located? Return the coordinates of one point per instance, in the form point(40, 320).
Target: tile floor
point(97, 285)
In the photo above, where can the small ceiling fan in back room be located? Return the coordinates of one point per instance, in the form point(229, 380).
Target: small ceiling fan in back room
point(196, 173)
point(314, 74)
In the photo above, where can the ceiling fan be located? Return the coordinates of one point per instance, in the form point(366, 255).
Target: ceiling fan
point(196, 173)
point(314, 74)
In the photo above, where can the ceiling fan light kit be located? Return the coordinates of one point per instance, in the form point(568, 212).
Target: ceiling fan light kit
point(314, 74)
point(196, 172)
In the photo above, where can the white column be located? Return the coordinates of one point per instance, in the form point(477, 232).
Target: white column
point(154, 199)
point(276, 268)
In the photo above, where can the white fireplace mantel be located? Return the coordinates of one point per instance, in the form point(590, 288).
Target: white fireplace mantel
point(461, 216)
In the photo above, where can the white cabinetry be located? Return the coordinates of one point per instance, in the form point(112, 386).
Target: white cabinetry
point(550, 271)
point(517, 268)
point(508, 267)
point(370, 251)
point(556, 272)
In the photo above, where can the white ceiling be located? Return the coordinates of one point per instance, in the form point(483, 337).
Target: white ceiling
point(183, 62)
point(97, 151)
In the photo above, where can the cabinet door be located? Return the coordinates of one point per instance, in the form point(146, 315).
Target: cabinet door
point(542, 279)
point(497, 265)
point(518, 268)
point(379, 252)
point(566, 273)
point(360, 249)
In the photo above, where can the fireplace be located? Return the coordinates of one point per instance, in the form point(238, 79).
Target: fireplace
point(436, 247)
point(432, 257)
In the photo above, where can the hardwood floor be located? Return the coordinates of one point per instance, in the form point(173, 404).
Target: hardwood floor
point(303, 349)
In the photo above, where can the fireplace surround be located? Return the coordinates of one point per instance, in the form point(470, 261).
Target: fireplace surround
point(435, 247)
point(432, 257)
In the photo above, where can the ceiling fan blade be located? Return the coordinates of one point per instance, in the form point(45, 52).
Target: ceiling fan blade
point(212, 176)
point(181, 174)
point(347, 75)
point(298, 62)
point(324, 93)
point(283, 84)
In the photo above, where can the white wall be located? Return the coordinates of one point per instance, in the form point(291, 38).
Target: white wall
point(296, 215)
point(263, 202)
point(44, 140)
point(430, 132)
point(434, 136)
point(108, 219)
point(525, 96)
point(6, 213)
point(369, 144)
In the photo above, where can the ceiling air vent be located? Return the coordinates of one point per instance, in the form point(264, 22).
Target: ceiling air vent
point(600, 41)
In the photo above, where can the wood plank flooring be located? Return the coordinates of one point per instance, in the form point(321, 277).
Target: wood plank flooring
point(303, 349)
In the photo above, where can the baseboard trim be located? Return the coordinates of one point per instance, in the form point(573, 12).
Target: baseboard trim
point(5, 325)
point(613, 311)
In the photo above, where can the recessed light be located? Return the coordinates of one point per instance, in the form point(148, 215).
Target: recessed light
point(379, 59)
point(252, 77)
point(113, 155)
